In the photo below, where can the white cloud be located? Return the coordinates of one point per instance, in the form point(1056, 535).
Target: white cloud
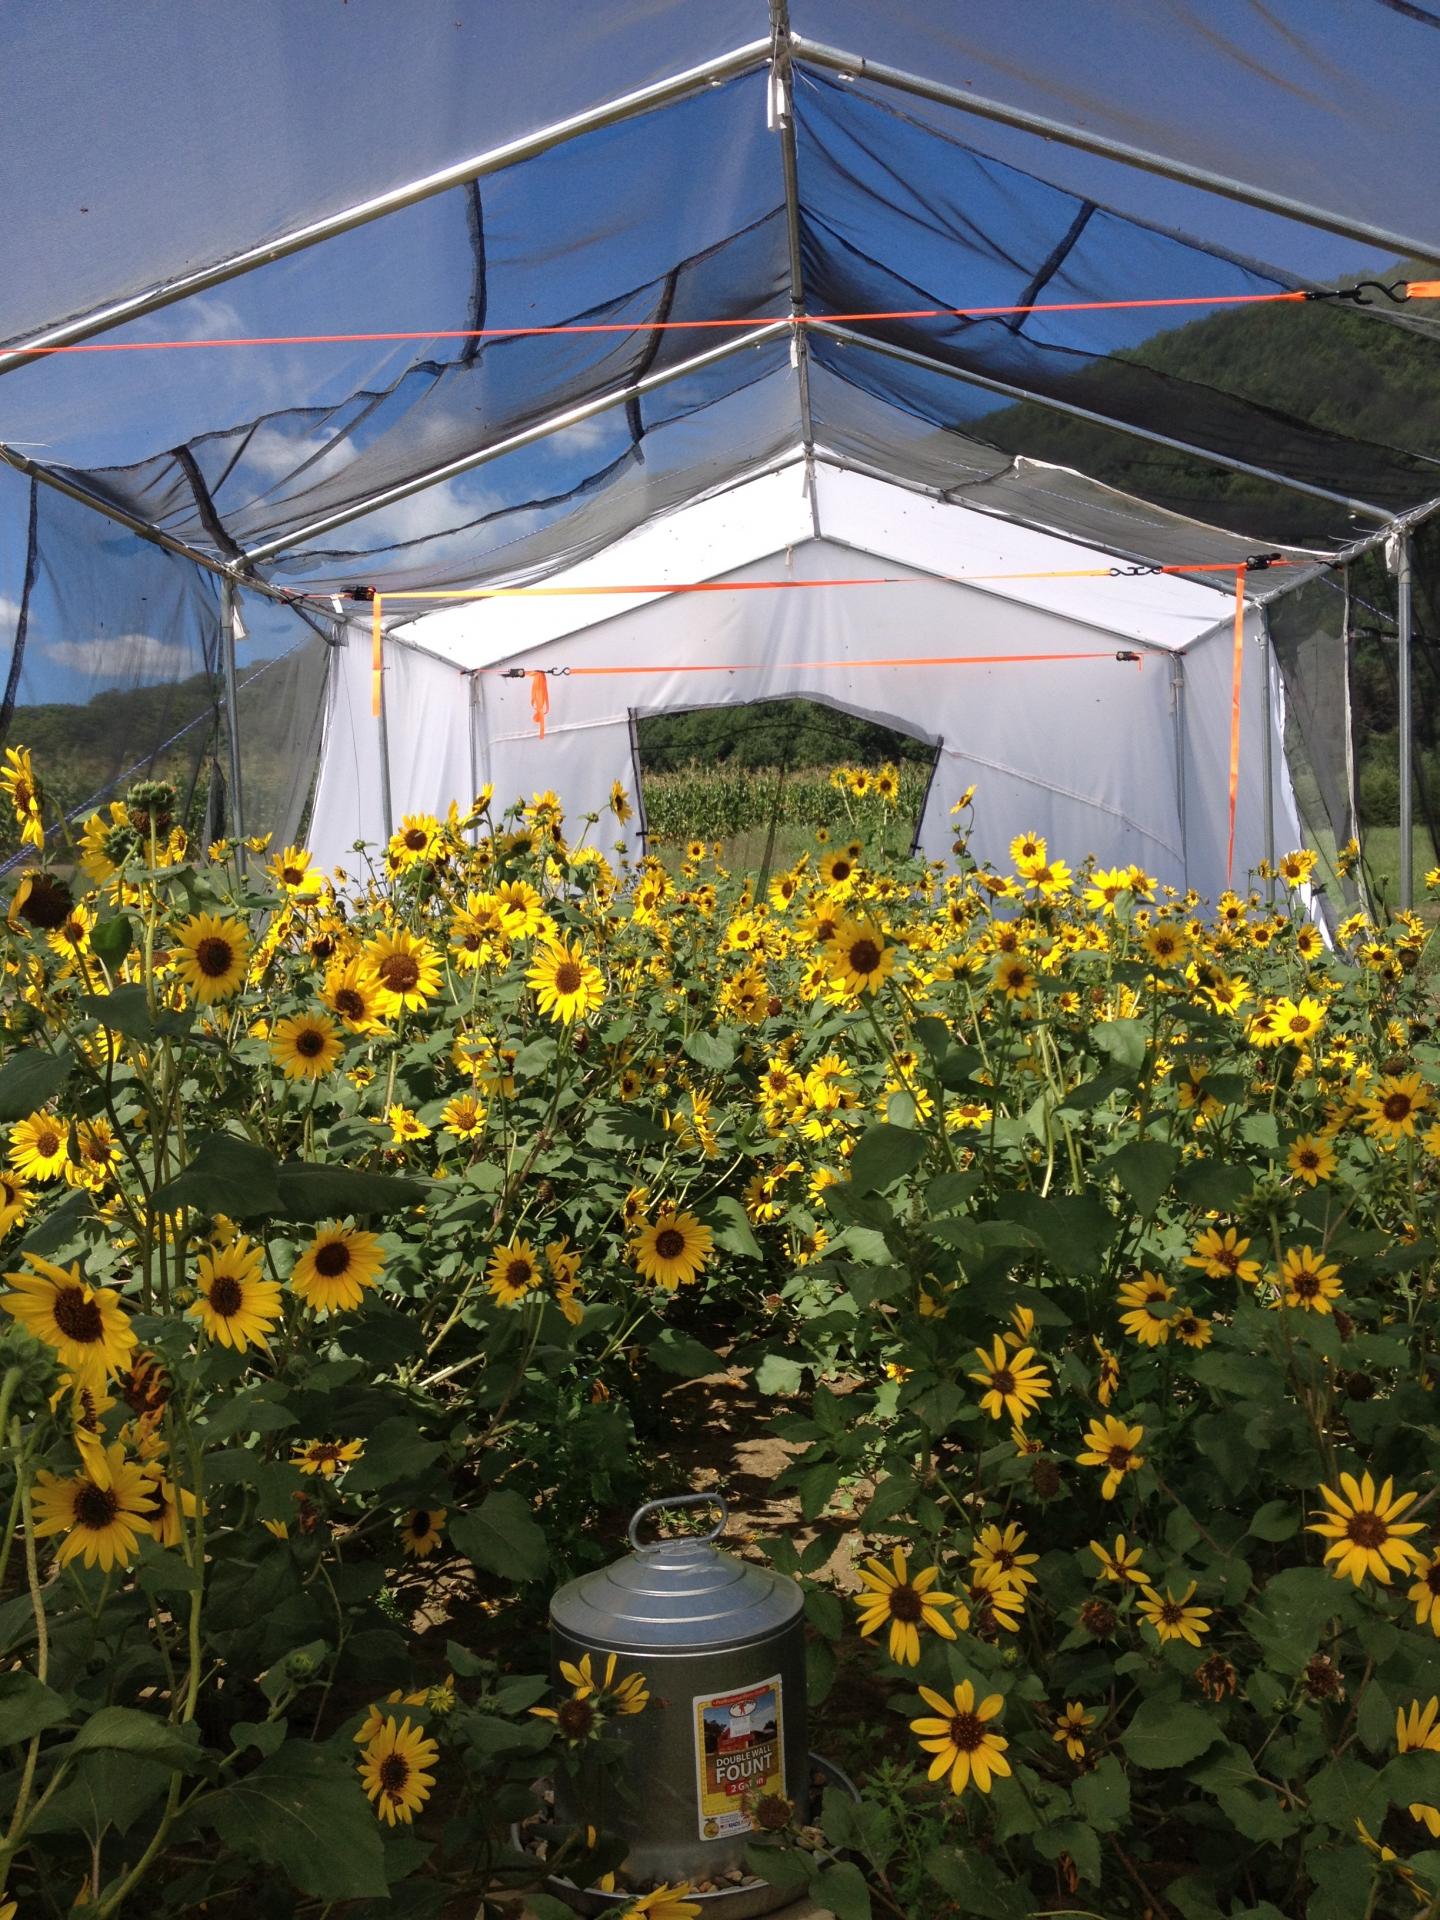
point(134, 655)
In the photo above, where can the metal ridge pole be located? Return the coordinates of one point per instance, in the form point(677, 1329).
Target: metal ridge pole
point(1012, 392)
point(232, 715)
point(542, 429)
point(1404, 601)
point(783, 106)
point(1401, 523)
point(859, 68)
point(626, 106)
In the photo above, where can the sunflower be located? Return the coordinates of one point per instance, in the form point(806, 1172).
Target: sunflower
point(908, 1604)
point(1221, 1256)
point(857, 958)
point(1365, 1531)
point(1167, 944)
point(1174, 1619)
point(420, 1531)
point(1295, 1023)
point(1013, 978)
point(992, 1603)
point(327, 1457)
point(235, 1305)
point(100, 1523)
point(1012, 1386)
point(566, 985)
point(1028, 850)
point(663, 1903)
point(38, 1147)
point(92, 1153)
point(333, 1272)
point(17, 777)
point(1001, 1549)
point(15, 1202)
point(352, 995)
point(673, 1251)
point(416, 839)
point(464, 1117)
point(292, 873)
point(392, 1770)
point(305, 1045)
point(619, 802)
point(1311, 1157)
point(628, 1695)
point(1142, 1297)
point(210, 956)
point(1417, 1730)
point(1309, 1281)
point(404, 971)
point(1190, 1329)
point(837, 870)
point(1426, 1593)
point(85, 1325)
point(1391, 1109)
point(960, 1738)
point(1071, 1727)
point(1109, 1378)
point(1120, 1563)
point(1111, 1444)
point(522, 912)
point(514, 1272)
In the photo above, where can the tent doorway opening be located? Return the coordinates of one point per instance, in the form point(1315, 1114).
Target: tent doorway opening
point(770, 780)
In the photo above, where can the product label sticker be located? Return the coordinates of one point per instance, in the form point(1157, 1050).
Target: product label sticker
point(739, 1756)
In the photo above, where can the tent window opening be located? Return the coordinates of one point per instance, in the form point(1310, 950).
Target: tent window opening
point(771, 780)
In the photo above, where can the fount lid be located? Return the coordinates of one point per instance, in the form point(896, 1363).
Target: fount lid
point(675, 1596)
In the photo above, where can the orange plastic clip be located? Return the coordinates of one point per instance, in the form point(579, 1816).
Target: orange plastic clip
point(1422, 289)
point(539, 700)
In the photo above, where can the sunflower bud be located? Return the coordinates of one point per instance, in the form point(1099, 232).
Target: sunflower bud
point(1099, 1619)
point(1045, 1479)
point(1322, 1679)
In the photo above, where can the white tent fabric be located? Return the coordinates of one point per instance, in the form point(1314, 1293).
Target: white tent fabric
point(1125, 759)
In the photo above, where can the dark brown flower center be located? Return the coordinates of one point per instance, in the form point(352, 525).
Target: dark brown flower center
point(1171, 1613)
point(967, 1732)
point(420, 1523)
point(349, 1003)
point(840, 870)
point(568, 977)
point(1118, 1457)
point(575, 1718)
point(332, 1260)
point(394, 1774)
point(226, 1295)
point(214, 957)
point(1308, 1157)
point(1299, 1023)
point(416, 839)
point(1367, 1530)
point(669, 1243)
point(310, 1042)
point(47, 1142)
point(864, 956)
point(292, 876)
point(78, 1319)
point(1432, 1578)
point(95, 1507)
point(1003, 1380)
point(399, 972)
point(906, 1603)
point(325, 1451)
point(1397, 1106)
point(519, 1273)
point(1305, 1283)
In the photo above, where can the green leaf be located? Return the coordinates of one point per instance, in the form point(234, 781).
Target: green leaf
point(1276, 1520)
point(303, 1812)
point(1213, 1186)
point(1103, 1794)
point(111, 938)
point(1256, 1814)
point(225, 1175)
point(726, 1219)
point(1341, 1879)
point(1124, 1040)
point(680, 1353)
point(1414, 1777)
point(29, 1079)
point(895, 1494)
point(1144, 1169)
point(1074, 1229)
point(125, 1010)
point(311, 1190)
point(1168, 1733)
point(883, 1155)
point(501, 1536)
point(27, 1707)
point(714, 1051)
point(1346, 1791)
point(778, 1375)
point(394, 1453)
point(145, 1735)
point(1076, 1839)
point(787, 1869)
point(973, 1880)
point(842, 1889)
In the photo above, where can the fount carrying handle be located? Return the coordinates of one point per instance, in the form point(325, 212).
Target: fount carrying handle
point(680, 1500)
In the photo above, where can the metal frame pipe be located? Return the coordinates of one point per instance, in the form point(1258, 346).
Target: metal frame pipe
point(857, 67)
point(1404, 600)
point(1267, 751)
point(232, 716)
point(625, 106)
point(1012, 392)
point(783, 101)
